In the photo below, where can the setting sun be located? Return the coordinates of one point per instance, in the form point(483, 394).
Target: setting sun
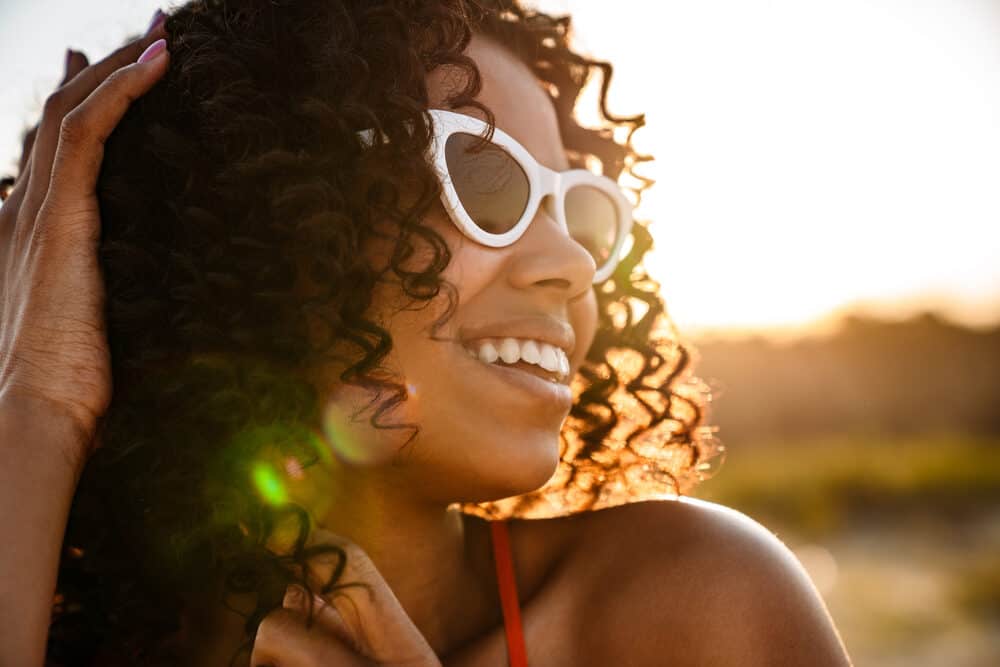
point(812, 156)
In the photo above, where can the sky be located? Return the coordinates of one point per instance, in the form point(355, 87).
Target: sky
point(811, 156)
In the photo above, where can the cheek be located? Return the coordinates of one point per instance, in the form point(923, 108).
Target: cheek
point(473, 266)
point(346, 414)
point(583, 318)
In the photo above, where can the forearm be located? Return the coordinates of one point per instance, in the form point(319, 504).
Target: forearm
point(37, 480)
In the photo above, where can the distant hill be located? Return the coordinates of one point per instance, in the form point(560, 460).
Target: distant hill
point(921, 375)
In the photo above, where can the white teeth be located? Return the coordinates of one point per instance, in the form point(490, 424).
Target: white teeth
point(510, 351)
point(488, 353)
point(530, 352)
point(548, 358)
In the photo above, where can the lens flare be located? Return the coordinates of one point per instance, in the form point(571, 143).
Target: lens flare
point(338, 434)
point(268, 484)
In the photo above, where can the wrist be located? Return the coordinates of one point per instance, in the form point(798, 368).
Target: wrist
point(35, 427)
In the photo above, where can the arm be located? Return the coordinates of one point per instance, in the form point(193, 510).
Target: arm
point(695, 583)
point(774, 616)
point(55, 378)
point(35, 493)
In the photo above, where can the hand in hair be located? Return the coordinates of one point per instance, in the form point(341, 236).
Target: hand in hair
point(359, 622)
point(53, 347)
point(55, 380)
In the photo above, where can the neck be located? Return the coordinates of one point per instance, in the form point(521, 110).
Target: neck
point(437, 561)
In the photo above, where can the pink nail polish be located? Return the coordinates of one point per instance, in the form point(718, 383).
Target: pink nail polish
point(158, 18)
point(153, 50)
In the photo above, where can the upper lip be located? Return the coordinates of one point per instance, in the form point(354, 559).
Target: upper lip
point(542, 328)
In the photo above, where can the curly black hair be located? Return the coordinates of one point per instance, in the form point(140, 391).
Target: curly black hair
point(236, 197)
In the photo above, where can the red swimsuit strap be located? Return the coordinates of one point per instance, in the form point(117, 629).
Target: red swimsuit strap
point(508, 594)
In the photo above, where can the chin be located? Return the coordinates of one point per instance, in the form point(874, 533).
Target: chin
point(512, 473)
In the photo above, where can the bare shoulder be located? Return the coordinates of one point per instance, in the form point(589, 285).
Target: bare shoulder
point(688, 582)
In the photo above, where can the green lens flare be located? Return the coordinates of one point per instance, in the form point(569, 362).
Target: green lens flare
point(268, 484)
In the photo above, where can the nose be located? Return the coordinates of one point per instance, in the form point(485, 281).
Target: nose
point(547, 256)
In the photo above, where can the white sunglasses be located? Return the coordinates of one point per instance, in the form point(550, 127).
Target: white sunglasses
point(492, 190)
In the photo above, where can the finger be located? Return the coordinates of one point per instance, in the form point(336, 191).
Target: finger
point(84, 130)
point(283, 640)
point(63, 101)
point(320, 612)
point(26, 144)
point(8, 217)
point(76, 62)
point(378, 623)
point(10, 207)
point(355, 595)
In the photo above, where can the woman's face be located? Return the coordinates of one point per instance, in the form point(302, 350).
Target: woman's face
point(485, 432)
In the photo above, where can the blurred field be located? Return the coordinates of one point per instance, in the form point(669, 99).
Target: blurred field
point(888, 489)
point(901, 536)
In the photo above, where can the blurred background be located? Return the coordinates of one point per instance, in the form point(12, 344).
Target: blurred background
point(827, 226)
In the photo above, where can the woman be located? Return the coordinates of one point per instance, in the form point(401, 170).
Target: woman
point(341, 330)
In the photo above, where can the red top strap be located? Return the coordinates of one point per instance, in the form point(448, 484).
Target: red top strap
point(508, 594)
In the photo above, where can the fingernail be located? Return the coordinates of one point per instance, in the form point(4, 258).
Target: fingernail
point(294, 596)
point(71, 56)
point(157, 19)
point(153, 50)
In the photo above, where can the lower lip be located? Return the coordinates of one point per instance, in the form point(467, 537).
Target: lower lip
point(554, 394)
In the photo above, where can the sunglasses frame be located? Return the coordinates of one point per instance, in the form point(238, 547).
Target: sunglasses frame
point(542, 182)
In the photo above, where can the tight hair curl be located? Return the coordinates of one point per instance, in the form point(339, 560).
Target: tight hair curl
point(236, 198)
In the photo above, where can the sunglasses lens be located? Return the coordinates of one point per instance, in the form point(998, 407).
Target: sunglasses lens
point(489, 182)
point(592, 219)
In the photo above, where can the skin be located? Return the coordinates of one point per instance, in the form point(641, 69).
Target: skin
point(54, 371)
point(645, 584)
point(471, 446)
point(436, 561)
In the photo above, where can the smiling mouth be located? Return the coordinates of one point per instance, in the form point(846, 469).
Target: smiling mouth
point(543, 360)
point(548, 392)
point(549, 389)
point(554, 377)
